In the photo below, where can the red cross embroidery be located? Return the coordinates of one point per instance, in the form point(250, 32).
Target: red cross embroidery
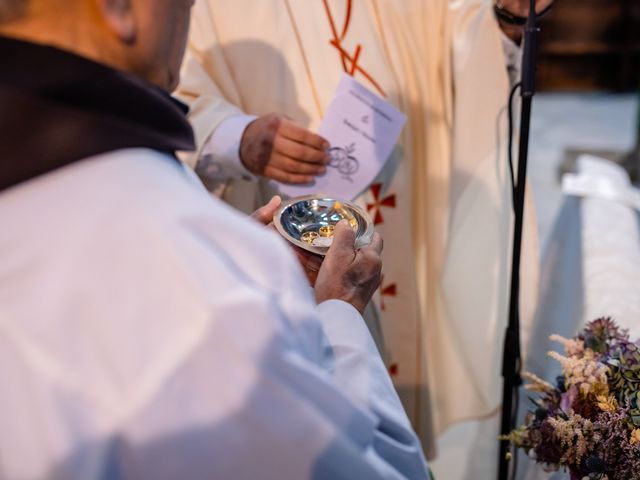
point(378, 203)
point(388, 291)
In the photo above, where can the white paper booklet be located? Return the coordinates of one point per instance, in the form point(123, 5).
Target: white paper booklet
point(362, 129)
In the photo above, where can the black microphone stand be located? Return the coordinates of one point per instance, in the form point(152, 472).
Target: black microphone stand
point(511, 361)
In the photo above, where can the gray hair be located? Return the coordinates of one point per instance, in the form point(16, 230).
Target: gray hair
point(11, 9)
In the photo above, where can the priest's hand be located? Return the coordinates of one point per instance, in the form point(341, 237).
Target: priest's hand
point(349, 274)
point(310, 262)
point(275, 147)
point(518, 8)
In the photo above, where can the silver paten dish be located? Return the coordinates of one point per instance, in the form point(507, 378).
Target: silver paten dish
point(308, 222)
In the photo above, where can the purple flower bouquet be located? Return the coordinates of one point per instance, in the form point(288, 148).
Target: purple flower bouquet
point(589, 422)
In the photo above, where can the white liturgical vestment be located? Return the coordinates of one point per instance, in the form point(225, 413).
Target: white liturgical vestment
point(442, 202)
point(147, 332)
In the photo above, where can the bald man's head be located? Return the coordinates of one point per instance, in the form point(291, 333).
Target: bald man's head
point(143, 37)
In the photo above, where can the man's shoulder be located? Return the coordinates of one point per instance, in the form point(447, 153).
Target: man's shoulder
point(146, 185)
point(157, 195)
point(160, 192)
point(134, 232)
point(132, 197)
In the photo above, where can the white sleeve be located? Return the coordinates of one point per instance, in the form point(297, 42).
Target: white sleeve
point(224, 414)
point(218, 127)
point(207, 86)
point(220, 155)
point(228, 414)
point(360, 373)
point(359, 370)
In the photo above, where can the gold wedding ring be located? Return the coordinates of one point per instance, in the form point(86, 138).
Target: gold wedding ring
point(309, 237)
point(327, 231)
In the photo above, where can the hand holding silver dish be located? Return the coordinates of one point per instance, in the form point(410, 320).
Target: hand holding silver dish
point(309, 222)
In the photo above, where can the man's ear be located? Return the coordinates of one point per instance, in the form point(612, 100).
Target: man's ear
point(120, 18)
